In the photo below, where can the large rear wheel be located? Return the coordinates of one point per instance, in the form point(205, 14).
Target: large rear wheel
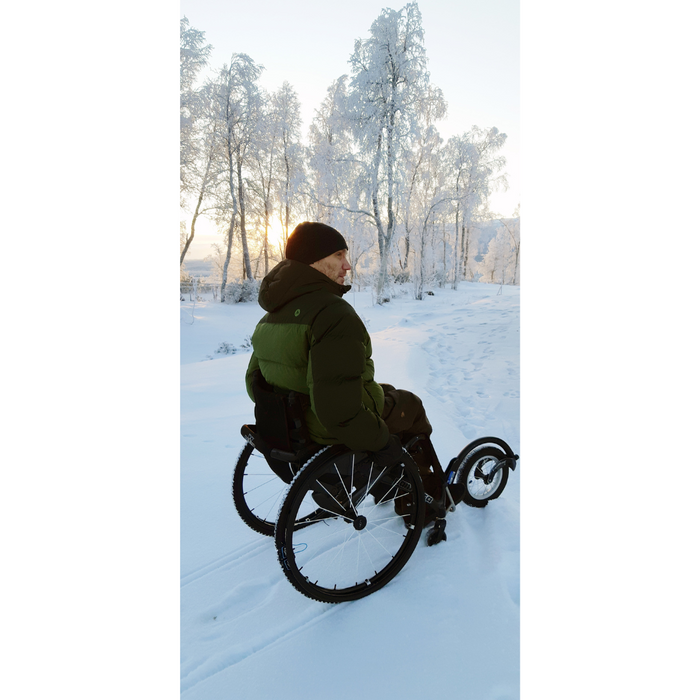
point(257, 491)
point(353, 541)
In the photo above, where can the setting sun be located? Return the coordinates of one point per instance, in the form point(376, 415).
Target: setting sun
point(275, 233)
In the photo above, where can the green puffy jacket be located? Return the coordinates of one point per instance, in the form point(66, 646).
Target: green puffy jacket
point(312, 341)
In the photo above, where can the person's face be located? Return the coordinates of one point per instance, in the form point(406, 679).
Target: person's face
point(334, 266)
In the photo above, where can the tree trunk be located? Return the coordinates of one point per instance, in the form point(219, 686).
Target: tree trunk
point(202, 190)
point(191, 236)
point(444, 255)
point(408, 250)
point(390, 181)
point(390, 201)
point(421, 270)
point(381, 238)
point(455, 281)
point(287, 208)
point(248, 272)
point(229, 243)
point(234, 212)
point(466, 231)
point(265, 244)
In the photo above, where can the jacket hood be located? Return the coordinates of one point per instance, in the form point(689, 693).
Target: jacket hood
point(291, 279)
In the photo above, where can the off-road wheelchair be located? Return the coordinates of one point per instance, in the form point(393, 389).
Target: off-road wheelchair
point(343, 525)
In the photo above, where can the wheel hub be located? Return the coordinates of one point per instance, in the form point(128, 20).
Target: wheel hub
point(360, 522)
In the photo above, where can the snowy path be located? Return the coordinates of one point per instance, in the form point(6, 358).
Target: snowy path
point(450, 619)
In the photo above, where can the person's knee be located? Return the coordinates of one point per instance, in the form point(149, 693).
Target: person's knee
point(404, 413)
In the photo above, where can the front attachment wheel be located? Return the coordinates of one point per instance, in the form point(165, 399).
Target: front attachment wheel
point(365, 523)
point(484, 474)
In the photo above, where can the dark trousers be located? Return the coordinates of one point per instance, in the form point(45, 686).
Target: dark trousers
point(404, 414)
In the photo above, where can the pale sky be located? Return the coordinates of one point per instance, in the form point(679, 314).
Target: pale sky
point(472, 47)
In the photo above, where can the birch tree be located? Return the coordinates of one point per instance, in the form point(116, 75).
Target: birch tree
point(512, 226)
point(203, 172)
point(494, 266)
point(330, 157)
point(289, 161)
point(422, 163)
point(276, 164)
point(425, 234)
point(389, 77)
point(263, 180)
point(194, 54)
point(239, 106)
point(474, 166)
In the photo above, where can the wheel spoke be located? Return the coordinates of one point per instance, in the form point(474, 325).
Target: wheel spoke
point(345, 488)
point(333, 497)
point(371, 534)
point(265, 483)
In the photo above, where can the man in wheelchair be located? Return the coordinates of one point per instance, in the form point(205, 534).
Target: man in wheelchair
point(312, 342)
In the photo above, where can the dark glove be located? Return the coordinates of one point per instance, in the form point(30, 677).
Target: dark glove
point(391, 453)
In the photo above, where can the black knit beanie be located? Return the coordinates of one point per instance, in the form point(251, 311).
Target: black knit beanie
point(312, 241)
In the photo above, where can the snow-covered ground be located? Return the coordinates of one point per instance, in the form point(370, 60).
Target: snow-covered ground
point(449, 622)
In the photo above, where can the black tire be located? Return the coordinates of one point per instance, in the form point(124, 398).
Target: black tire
point(471, 466)
point(354, 545)
point(257, 491)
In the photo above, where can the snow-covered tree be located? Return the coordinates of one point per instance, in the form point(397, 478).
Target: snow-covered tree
point(286, 111)
point(423, 193)
point(204, 171)
point(330, 158)
point(263, 177)
point(333, 197)
point(239, 112)
point(276, 167)
point(512, 226)
point(493, 265)
point(474, 166)
point(389, 79)
point(500, 264)
point(194, 54)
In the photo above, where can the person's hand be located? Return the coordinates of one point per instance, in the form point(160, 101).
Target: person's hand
point(390, 454)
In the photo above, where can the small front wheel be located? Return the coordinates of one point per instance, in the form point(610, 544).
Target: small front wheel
point(483, 473)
